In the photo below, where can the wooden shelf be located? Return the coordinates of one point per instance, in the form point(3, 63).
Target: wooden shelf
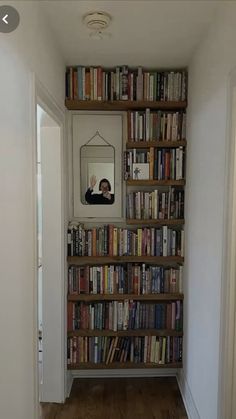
point(121, 297)
point(134, 221)
point(121, 105)
point(148, 182)
point(93, 260)
point(155, 144)
point(118, 365)
point(146, 332)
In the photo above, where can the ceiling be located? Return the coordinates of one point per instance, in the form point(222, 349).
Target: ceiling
point(161, 34)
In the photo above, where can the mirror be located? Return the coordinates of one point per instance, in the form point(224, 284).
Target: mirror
point(97, 181)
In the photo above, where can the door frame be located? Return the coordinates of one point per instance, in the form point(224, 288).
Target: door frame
point(42, 97)
point(227, 357)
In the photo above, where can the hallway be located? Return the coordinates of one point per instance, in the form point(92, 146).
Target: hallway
point(120, 398)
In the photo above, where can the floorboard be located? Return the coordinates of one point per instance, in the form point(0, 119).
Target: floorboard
point(120, 398)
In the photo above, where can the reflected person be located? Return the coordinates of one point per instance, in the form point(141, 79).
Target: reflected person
point(103, 198)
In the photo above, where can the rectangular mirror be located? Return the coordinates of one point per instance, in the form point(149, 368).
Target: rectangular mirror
point(96, 152)
point(97, 178)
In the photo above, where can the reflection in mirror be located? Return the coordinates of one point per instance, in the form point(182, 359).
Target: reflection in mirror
point(97, 164)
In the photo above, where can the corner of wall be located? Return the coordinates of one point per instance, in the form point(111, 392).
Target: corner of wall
point(188, 400)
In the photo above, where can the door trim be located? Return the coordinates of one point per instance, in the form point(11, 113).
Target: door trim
point(41, 96)
point(226, 380)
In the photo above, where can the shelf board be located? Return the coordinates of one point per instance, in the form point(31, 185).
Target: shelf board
point(118, 365)
point(121, 105)
point(155, 144)
point(146, 332)
point(158, 222)
point(154, 182)
point(122, 297)
point(92, 260)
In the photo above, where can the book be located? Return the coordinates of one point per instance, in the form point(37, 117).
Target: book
point(140, 171)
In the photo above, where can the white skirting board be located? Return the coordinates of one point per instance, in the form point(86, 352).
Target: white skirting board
point(187, 397)
point(116, 373)
point(69, 382)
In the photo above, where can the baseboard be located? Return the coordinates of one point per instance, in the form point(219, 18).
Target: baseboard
point(123, 373)
point(187, 397)
point(69, 382)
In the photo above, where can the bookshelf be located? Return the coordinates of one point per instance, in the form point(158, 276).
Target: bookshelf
point(84, 260)
point(150, 182)
point(125, 299)
point(121, 105)
point(150, 297)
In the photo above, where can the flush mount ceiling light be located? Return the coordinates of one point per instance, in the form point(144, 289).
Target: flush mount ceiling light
point(97, 22)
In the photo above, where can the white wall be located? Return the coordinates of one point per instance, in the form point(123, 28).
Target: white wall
point(207, 140)
point(29, 48)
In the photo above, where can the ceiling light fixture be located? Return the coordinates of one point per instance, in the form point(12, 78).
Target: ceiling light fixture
point(97, 22)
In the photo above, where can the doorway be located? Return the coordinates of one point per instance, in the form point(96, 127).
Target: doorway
point(51, 258)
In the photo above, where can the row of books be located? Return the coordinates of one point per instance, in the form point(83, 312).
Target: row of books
point(138, 279)
point(124, 315)
point(156, 126)
point(109, 240)
point(155, 205)
point(122, 83)
point(158, 164)
point(106, 350)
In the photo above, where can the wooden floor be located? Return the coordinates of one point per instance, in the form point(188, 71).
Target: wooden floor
point(120, 398)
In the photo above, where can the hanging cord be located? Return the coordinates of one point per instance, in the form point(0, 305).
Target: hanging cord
point(97, 134)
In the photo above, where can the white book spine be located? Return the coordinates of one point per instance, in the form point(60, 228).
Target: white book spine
point(140, 128)
point(147, 85)
point(181, 156)
point(173, 243)
point(181, 279)
point(165, 236)
point(126, 315)
point(147, 118)
point(100, 270)
point(177, 172)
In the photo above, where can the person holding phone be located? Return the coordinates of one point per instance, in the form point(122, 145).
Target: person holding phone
point(103, 198)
